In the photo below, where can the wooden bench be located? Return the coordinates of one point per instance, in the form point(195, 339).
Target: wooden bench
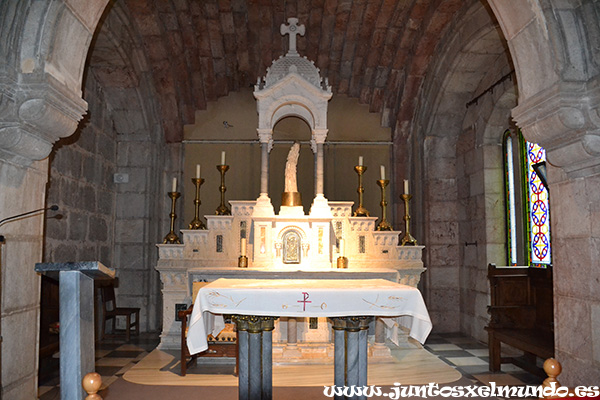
point(522, 315)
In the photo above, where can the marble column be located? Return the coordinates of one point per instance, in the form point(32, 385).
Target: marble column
point(264, 168)
point(292, 332)
point(339, 351)
point(268, 324)
point(319, 185)
point(363, 352)
point(352, 345)
point(242, 328)
point(379, 348)
point(255, 356)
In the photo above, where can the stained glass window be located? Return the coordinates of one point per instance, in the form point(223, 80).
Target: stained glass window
point(527, 203)
point(510, 199)
point(539, 208)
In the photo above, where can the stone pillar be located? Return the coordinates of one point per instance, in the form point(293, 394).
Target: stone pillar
point(242, 328)
point(363, 352)
point(320, 205)
point(291, 349)
point(268, 324)
point(263, 206)
point(319, 185)
point(255, 356)
point(379, 349)
point(264, 168)
point(339, 335)
point(561, 120)
point(352, 365)
point(292, 332)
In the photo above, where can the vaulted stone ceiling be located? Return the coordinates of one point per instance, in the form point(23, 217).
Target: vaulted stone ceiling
point(199, 50)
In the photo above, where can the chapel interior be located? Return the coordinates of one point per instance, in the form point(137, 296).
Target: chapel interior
point(107, 106)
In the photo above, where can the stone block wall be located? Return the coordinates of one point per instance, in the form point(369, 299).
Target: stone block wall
point(442, 230)
point(20, 189)
point(576, 246)
point(462, 180)
point(481, 194)
point(142, 208)
point(81, 184)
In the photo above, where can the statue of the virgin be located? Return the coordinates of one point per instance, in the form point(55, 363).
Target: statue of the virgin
point(291, 196)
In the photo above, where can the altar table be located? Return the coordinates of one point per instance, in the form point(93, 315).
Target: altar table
point(255, 304)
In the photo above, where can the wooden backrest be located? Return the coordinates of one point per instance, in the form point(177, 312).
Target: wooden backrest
point(521, 297)
point(543, 296)
point(107, 293)
point(196, 287)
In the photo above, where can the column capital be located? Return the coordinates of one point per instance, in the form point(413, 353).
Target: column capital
point(565, 120)
point(268, 323)
point(34, 115)
point(319, 135)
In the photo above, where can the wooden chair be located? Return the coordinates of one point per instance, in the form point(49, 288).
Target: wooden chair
point(111, 312)
point(224, 345)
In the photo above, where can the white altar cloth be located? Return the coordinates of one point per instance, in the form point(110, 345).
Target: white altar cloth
point(305, 298)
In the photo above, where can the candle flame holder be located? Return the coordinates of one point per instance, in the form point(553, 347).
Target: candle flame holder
point(172, 237)
point(243, 262)
point(223, 209)
point(197, 222)
point(407, 239)
point(383, 225)
point(342, 262)
point(361, 211)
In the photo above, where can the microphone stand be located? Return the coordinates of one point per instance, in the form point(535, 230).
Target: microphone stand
point(53, 208)
point(2, 241)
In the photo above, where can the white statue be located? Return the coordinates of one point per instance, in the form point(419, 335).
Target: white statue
point(291, 184)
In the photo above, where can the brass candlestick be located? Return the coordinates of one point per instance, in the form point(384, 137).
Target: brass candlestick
point(223, 209)
point(360, 211)
point(383, 224)
point(171, 237)
point(342, 262)
point(243, 262)
point(196, 222)
point(407, 239)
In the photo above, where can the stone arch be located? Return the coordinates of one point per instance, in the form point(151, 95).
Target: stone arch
point(294, 109)
point(556, 56)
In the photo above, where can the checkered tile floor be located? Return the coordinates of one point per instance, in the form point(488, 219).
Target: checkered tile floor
point(471, 359)
point(113, 359)
point(464, 353)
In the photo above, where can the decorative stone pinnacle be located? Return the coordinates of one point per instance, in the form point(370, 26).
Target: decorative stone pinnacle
point(292, 29)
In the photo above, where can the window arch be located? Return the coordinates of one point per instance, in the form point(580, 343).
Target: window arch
point(527, 203)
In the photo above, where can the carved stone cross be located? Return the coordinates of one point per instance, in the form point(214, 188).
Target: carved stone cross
point(292, 29)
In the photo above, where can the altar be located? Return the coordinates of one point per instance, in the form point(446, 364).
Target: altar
point(249, 239)
point(257, 303)
point(209, 254)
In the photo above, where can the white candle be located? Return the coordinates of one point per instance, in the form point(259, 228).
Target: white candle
point(222, 158)
point(342, 247)
point(406, 186)
point(174, 185)
point(382, 172)
point(360, 160)
point(243, 250)
point(197, 171)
